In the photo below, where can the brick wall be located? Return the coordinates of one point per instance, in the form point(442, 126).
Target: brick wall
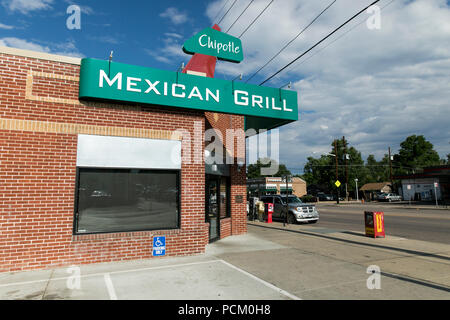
point(238, 223)
point(40, 117)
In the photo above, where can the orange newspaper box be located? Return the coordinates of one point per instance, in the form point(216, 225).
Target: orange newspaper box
point(269, 211)
point(374, 224)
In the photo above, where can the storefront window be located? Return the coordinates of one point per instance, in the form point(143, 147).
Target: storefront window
point(117, 200)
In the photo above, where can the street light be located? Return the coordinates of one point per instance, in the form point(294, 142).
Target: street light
point(357, 193)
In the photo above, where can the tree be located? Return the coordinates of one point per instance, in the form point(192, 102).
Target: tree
point(321, 172)
point(254, 170)
point(283, 171)
point(377, 171)
point(414, 154)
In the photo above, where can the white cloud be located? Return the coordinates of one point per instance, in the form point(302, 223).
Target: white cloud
point(65, 49)
point(6, 27)
point(376, 87)
point(26, 6)
point(173, 35)
point(84, 9)
point(23, 44)
point(104, 39)
point(171, 50)
point(174, 15)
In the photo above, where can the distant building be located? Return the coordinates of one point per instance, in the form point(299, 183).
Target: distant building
point(421, 186)
point(275, 185)
point(371, 189)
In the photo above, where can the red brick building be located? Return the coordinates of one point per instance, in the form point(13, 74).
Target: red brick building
point(56, 212)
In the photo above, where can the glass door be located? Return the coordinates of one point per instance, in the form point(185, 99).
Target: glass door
point(213, 207)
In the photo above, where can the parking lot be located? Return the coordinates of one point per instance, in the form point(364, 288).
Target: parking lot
point(271, 262)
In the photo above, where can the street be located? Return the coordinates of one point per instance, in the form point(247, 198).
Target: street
point(418, 224)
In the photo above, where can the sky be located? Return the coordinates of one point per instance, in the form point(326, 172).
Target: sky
point(373, 86)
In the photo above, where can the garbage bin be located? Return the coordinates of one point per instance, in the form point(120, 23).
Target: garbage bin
point(268, 212)
point(374, 222)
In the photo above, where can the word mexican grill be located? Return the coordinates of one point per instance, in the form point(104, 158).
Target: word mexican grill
point(177, 90)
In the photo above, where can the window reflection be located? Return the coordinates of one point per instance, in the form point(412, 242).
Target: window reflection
point(127, 200)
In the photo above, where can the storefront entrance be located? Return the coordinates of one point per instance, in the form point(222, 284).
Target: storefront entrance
point(217, 203)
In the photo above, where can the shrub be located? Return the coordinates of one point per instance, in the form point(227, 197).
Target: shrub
point(308, 198)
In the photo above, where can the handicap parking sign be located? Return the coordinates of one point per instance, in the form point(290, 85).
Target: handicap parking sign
point(159, 246)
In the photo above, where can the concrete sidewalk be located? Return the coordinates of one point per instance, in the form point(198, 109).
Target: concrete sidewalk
point(270, 262)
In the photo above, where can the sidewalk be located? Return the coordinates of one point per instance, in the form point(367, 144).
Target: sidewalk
point(270, 262)
point(335, 262)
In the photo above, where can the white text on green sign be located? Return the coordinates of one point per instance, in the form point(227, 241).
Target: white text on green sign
point(215, 43)
point(121, 82)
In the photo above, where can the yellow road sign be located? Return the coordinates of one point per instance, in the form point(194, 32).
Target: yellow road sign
point(338, 183)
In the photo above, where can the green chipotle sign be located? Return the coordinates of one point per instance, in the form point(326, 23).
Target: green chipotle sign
point(215, 43)
point(263, 107)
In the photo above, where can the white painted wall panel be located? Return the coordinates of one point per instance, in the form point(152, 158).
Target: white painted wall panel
point(133, 153)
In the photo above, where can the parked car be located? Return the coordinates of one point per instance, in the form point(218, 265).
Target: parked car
point(389, 197)
point(378, 196)
point(297, 210)
point(325, 197)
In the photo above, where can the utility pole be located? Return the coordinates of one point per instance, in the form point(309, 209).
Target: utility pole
point(346, 168)
point(337, 175)
point(390, 170)
point(435, 193)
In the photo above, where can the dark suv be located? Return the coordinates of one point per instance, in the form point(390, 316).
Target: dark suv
point(325, 197)
point(298, 211)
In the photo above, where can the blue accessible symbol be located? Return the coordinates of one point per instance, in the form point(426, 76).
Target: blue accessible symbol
point(159, 246)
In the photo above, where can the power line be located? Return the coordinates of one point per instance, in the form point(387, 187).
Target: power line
point(218, 13)
point(357, 165)
point(318, 43)
point(295, 38)
point(256, 18)
point(240, 15)
point(227, 11)
point(341, 36)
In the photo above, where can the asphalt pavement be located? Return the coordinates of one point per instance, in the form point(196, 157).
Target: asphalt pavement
point(419, 223)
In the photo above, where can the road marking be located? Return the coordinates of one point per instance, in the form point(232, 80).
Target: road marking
point(395, 238)
point(112, 272)
point(112, 293)
point(110, 287)
point(267, 284)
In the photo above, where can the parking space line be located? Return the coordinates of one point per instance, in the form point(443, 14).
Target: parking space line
point(112, 292)
point(267, 284)
point(112, 272)
point(110, 287)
